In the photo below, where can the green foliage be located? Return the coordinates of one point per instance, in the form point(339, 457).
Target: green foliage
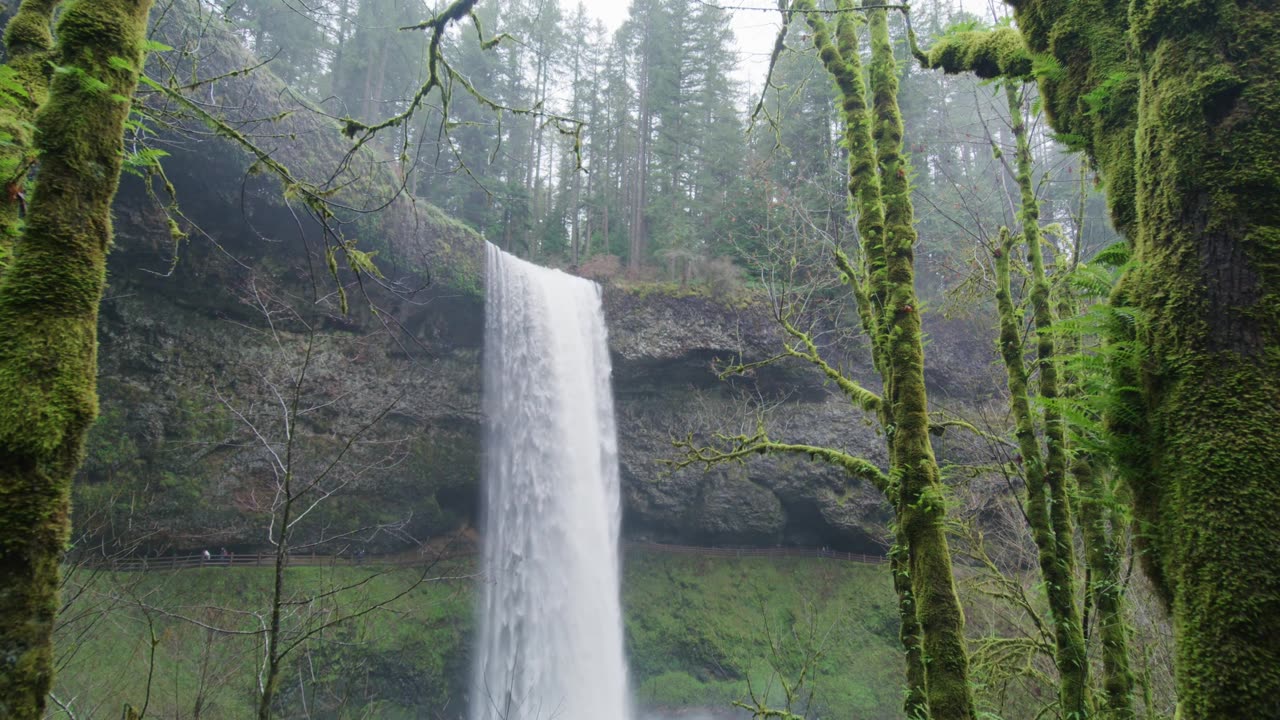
point(1101, 98)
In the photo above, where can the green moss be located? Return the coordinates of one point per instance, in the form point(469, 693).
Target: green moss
point(49, 299)
point(986, 53)
point(28, 39)
point(1208, 286)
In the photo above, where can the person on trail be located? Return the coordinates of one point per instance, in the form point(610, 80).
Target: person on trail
point(205, 556)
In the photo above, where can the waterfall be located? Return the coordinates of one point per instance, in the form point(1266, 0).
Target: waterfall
point(550, 620)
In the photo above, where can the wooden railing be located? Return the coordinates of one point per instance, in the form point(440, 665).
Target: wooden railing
point(773, 552)
point(412, 559)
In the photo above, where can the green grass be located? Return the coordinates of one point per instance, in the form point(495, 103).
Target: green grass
point(700, 632)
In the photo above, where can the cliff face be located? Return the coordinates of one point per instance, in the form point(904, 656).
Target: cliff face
point(664, 349)
point(198, 370)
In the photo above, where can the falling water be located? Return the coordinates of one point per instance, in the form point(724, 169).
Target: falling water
point(550, 636)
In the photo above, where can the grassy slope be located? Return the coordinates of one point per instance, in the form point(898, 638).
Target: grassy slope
point(698, 630)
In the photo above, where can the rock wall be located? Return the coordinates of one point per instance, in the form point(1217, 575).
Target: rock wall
point(198, 366)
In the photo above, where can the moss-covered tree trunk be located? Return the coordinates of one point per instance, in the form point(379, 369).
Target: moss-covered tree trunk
point(1048, 503)
point(49, 309)
point(28, 41)
point(933, 622)
point(915, 701)
point(1177, 103)
point(1207, 282)
point(1106, 588)
point(839, 55)
point(921, 497)
point(1069, 655)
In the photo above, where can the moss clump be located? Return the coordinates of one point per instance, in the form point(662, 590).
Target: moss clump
point(988, 54)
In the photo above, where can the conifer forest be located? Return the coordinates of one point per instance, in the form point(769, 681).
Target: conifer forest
point(640, 360)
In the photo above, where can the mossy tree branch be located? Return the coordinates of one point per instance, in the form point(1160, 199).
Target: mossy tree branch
point(996, 53)
point(807, 351)
point(739, 448)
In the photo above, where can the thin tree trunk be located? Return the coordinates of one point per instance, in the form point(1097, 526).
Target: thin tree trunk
point(887, 307)
point(915, 703)
point(1055, 541)
point(921, 505)
point(1106, 588)
point(640, 179)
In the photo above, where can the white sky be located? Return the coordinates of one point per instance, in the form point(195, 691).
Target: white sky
point(754, 30)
